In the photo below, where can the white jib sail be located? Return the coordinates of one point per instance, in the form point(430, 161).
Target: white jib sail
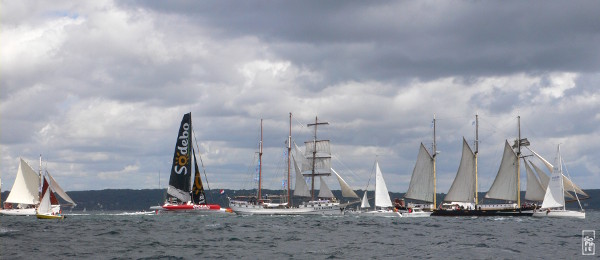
point(382, 196)
point(45, 206)
point(347, 191)
point(535, 191)
point(25, 190)
point(59, 190)
point(365, 201)
point(300, 188)
point(505, 183)
point(421, 181)
point(544, 179)
point(324, 191)
point(568, 184)
point(554, 196)
point(463, 187)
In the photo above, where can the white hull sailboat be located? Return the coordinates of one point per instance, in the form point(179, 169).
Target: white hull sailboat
point(383, 203)
point(553, 204)
point(24, 197)
point(316, 161)
point(422, 183)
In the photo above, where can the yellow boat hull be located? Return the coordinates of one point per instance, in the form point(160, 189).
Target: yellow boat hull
point(43, 216)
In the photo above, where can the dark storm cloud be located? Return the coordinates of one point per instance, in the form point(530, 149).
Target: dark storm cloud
point(424, 39)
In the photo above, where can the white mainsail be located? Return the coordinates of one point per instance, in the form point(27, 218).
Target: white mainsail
point(300, 188)
point(505, 183)
point(463, 187)
point(324, 191)
point(346, 189)
point(365, 201)
point(25, 190)
point(554, 196)
point(535, 190)
point(382, 196)
point(421, 182)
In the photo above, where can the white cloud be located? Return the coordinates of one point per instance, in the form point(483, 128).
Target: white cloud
point(99, 88)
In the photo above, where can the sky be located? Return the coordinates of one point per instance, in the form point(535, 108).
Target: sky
point(98, 88)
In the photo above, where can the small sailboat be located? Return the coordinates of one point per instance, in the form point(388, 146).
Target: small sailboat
point(24, 197)
point(383, 204)
point(553, 204)
point(422, 186)
point(44, 210)
point(316, 162)
point(185, 193)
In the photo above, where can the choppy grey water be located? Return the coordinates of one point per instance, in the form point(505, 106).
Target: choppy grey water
point(133, 236)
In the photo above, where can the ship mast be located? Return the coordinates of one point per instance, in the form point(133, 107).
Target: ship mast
point(476, 153)
point(433, 156)
point(518, 166)
point(314, 157)
point(289, 147)
point(260, 152)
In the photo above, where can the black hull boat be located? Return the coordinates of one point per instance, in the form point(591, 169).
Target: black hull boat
point(482, 213)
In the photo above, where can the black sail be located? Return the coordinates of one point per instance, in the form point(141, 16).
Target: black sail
point(198, 196)
point(181, 171)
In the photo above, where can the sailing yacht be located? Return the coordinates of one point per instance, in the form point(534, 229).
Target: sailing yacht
point(317, 162)
point(186, 194)
point(553, 204)
point(422, 187)
point(44, 210)
point(383, 204)
point(24, 197)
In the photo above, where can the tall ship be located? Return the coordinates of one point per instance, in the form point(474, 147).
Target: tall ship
point(185, 193)
point(26, 193)
point(313, 163)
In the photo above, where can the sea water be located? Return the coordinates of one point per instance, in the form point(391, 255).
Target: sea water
point(117, 235)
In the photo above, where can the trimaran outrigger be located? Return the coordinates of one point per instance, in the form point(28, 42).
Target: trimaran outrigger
point(185, 193)
point(316, 162)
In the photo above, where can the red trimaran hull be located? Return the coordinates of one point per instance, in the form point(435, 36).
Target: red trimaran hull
point(191, 208)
